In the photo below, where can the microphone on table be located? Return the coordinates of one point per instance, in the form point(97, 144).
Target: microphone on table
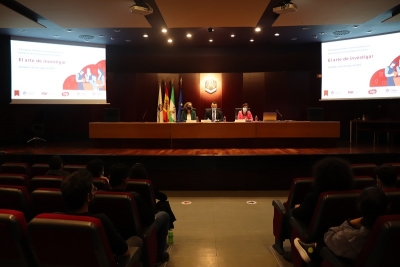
point(279, 114)
point(144, 115)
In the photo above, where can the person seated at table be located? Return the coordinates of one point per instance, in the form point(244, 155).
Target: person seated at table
point(188, 113)
point(214, 114)
point(245, 113)
point(386, 176)
point(96, 168)
point(56, 167)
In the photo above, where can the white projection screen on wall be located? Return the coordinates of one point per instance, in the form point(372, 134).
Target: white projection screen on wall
point(46, 72)
point(363, 68)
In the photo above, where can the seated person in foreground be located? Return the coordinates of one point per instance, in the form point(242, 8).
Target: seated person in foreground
point(214, 114)
point(386, 176)
point(138, 171)
point(56, 167)
point(245, 113)
point(348, 239)
point(96, 168)
point(78, 192)
point(118, 177)
point(188, 113)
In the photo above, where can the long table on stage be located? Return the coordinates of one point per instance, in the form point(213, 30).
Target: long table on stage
point(229, 134)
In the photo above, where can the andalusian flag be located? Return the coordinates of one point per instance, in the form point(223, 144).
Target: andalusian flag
point(160, 117)
point(172, 110)
point(180, 103)
point(166, 104)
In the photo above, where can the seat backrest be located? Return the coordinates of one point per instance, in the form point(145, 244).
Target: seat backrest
point(14, 198)
point(14, 179)
point(47, 200)
point(16, 167)
point(39, 169)
point(361, 182)
point(237, 111)
point(74, 167)
point(46, 182)
point(332, 209)
point(382, 246)
point(121, 209)
point(13, 235)
point(68, 240)
point(300, 187)
point(363, 169)
point(393, 196)
point(101, 183)
point(145, 189)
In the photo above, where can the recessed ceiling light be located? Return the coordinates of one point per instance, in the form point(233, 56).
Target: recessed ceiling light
point(188, 35)
point(369, 31)
point(69, 30)
point(251, 40)
point(164, 30)
point(117, 30)
point(101, 35)
point(112, 38)
point(276, 34)
point(211, 40)
point(315, 36)
point(145, 35)
point(56, 36)
point(356, 26)
point(294, 39)
point(306, 29)
point(127, 41)
point(321, 33)
point(22, 30)
point(258, 29)
point(169, 40)
point(232, 35)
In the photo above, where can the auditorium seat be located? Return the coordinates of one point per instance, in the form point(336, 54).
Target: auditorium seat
point(47, 200)
point(380, 249)
point(80, 242)
point(16, 167)
point(14, 249)
point(39, 169)
point(393, 196)
point(14, 179)
point(145, 189)
point(101, 183)
point(46, 181)
point(332, 209)
point(15, 198)
point(74, 167)
point(300, 187)
point(361, 182)
point(364, 169)
point(120, 207)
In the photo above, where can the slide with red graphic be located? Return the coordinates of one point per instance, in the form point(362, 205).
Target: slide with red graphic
point(363, 68)
point(43, 72)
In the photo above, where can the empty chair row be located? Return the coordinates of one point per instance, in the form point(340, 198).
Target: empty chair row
point(35, 169)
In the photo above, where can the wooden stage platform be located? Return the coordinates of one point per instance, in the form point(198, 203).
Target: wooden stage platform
point(208, 169)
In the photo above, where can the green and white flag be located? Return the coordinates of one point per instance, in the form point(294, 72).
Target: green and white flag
point(172, 109)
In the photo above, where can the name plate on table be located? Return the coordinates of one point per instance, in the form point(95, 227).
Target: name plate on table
point(240, 120)
point(206, 121)
point(192, 121)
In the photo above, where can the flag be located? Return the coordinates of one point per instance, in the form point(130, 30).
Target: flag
point(160, 105)
point(166, 104)
point(172, 110)
point(180, 103)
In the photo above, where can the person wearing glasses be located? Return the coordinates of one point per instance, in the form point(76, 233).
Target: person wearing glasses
point(78, 192)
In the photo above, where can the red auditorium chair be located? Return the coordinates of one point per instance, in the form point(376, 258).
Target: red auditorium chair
point(15, 198)
point(364, 169)
point(73, 167)
point(381, 248)
point(332, 209)
point(81, 242)
point(101, 183)
point(361, 182)
point(46, 182)
point(144, 188)
point(47, 200)
point(14, 249)
point(120, 207)
point(39, 169)
point(300, 187)
point(14, 179)
point(16, 167)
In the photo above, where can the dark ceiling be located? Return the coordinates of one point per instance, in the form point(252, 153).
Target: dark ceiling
point(111, 23)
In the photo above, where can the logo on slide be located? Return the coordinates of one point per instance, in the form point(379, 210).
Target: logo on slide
point(372, 91)
point(325, 92)
point(16, 92)
point(65, 94)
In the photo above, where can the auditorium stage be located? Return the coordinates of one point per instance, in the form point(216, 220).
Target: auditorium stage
point(208, 169)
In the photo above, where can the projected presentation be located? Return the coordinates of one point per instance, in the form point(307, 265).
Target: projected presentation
point(364, 68)
point(47, 73)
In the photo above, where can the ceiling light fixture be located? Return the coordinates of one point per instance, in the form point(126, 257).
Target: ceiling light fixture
point(169, 40)
point(321, 33)
point(127, 41)
point(188, 35)
point(210, 29)
point(369, 31)
point(257, 29)
point(251, 40)
point(117, 30)
point(356, 26)
point(232, 35)
point(101, 35)
point(56, 36)
point(145, 36)
point(22, 30)
point(164, 30)
point(210, 40)
point(306, 29)
point(294, 39)
point(141, 8)
point(276, 34)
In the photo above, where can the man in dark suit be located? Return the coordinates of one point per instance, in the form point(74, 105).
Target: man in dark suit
point(214, 114)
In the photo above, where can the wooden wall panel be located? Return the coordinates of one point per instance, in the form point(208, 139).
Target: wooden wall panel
point(232, 95)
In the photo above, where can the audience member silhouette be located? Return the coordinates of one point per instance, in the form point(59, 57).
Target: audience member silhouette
point(56, 166)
